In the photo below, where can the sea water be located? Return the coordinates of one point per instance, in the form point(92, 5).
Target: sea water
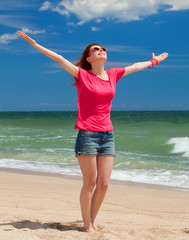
point(151, 146)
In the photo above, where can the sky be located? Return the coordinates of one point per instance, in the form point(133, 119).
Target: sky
point(130, 29)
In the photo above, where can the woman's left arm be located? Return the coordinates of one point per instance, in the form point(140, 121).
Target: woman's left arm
point(142, 65)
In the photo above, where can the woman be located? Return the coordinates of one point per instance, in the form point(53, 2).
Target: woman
point(94, 146)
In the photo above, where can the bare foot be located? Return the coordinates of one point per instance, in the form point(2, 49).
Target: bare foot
point(95, 227)
point(89, 228)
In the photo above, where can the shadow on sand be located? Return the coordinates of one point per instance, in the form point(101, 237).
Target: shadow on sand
point(38, 225)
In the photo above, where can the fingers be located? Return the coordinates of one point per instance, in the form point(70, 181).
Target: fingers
point(21, 34)
point(161, 56)
point(24, 36)
point(164, 55)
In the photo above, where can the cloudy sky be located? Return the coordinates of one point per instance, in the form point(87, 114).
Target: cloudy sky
point(130, 29)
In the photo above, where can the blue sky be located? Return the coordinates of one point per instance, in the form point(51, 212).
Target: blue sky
point(130, 29)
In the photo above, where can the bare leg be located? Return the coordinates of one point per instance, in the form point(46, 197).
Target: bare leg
point(88, 168)
point(104, 169)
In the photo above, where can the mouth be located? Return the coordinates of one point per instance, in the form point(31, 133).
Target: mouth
point(101, 53)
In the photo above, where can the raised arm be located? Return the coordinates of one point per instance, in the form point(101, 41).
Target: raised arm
point(67, 65)
point(142, 65)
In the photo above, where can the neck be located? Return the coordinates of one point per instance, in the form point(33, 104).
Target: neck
point(98, 68)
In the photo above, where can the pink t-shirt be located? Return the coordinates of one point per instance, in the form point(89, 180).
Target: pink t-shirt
point(95, 99)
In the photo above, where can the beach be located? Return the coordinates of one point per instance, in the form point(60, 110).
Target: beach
point(151, 146)
point(46, 206)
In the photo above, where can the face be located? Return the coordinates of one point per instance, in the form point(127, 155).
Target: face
point(97, 53)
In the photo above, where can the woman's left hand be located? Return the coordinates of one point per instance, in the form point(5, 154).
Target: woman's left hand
point(160, 57)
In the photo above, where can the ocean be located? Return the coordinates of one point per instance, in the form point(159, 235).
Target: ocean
point(151, 146)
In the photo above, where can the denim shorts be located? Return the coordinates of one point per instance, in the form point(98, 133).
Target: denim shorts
point(92, 143)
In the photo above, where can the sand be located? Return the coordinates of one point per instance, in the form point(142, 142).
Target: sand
point(37, 206)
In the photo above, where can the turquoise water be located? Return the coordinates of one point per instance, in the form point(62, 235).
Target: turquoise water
point(151, 147)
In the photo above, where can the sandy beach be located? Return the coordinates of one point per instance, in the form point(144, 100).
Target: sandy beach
point(45, 206)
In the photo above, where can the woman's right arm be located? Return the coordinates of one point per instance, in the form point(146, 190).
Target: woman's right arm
point(67, 65)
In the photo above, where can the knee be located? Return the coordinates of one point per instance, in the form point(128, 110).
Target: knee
point(102, 186)
point(89, 185)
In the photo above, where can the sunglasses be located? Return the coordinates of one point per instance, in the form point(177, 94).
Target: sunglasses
point(96, 49)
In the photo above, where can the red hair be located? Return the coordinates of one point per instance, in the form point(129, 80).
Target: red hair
point(82, 62)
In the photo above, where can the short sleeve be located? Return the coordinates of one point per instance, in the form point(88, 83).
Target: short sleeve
point(82, 75)
point(120, 72)
point(77, 79)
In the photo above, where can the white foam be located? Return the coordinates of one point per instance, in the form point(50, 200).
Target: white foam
point(181, 145)
point(163, 176)
point(61, 168)
point(50, 138)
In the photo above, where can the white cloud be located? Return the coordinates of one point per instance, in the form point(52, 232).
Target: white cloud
point(72, 24)
point(11, 20)
point(6, 38)
point(98, 20)
point(27, 30)
point(120, 10)
point(178, 5)
point(128, 49)
point(45, 6)
point(18, 4)
point(60, 10)
point(49, 6)
point(95, 29)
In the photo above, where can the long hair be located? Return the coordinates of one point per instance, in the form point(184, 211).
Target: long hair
point(82, 62)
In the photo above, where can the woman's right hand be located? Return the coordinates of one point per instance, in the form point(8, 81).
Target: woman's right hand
point(25, 37)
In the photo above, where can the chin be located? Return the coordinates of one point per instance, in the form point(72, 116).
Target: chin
point(103, 57)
